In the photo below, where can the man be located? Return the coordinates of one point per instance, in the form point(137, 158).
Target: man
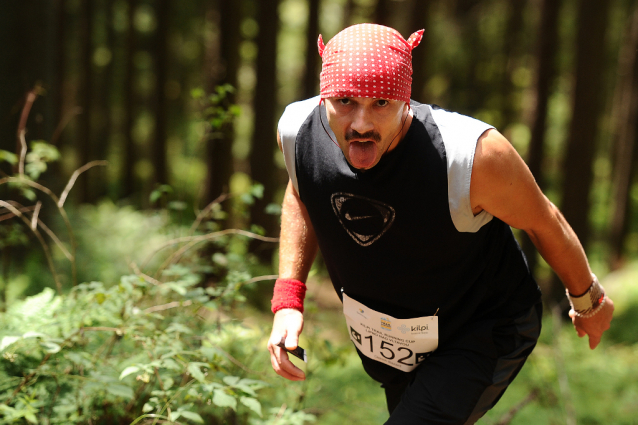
point(411, 206)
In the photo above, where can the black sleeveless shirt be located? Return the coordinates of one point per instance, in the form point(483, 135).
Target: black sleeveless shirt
point(387, 235)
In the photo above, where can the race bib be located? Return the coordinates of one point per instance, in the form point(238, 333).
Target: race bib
point(400, 343)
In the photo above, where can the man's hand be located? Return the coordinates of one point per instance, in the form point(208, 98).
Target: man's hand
point(288, 324)
point(595, 325)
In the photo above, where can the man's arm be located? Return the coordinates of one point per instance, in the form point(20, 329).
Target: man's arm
point(297, 250)
point(503, 186)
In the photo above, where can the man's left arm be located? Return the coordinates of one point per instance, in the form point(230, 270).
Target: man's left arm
point(503, 186)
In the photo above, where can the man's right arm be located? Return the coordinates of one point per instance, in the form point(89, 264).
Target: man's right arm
point(297, 250)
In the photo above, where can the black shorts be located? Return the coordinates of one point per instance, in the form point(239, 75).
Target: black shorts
point(458, 383)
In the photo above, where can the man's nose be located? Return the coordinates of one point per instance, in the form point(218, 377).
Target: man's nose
point(362, 121)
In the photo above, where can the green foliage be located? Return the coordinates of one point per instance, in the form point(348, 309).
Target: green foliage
point(39, 156)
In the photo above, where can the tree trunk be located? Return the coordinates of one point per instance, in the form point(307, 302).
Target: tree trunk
point(158, 151)
point(104, 100)
point(311, 74)
point(265, 98)
point(420, 14)
point(587, 104)
point(626, 126)
point(84, 141)
point(511, 54)
point(348, 12)
point(130, 151)
point(545, 75)
point(219, 158)
point(382, 13)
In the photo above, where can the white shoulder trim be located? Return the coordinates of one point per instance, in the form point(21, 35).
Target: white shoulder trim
point(290, 122)
point(460, 134)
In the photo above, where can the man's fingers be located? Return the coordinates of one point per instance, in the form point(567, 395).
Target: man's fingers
point(284, 367)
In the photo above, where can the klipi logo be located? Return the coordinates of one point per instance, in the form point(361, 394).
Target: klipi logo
point(386, 324)
point(418, 328)
point(403, 329)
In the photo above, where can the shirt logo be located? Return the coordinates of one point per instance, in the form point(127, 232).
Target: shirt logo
point(365, 220)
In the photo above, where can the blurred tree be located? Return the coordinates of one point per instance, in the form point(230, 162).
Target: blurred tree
point(626, 132)
point(158, 149)
point(84, 140)
point(264, 104)
point(420, 14)
point(104, 102)
point(382, 13)
point(311, 79)
point(513, 48)
point(348, 12)
point(546, 49)
point(587, 104)
point(219, 158)
point(127, 180)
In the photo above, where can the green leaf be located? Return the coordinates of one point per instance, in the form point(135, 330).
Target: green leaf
point(29, 416)
point(197, 93)
point(7, 341)
point(231, 380)
point(257, 190)
point(221, 399)
point(192, 416)
point(9, 157)
point(119, 390)
point(128, 371)
point(252, 403)
point(195, 371)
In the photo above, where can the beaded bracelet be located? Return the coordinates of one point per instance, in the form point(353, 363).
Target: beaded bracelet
point(589, 303)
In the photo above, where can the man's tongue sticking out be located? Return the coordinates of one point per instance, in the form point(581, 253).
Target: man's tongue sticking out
point(362, 154)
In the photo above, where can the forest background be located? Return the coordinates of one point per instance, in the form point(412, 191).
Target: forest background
point(137, 149)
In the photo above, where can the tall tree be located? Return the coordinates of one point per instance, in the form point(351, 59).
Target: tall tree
point(382, 13)
point(420, 14)
point(587, 105)
point(85, 142)
point(512, 50)
point(264, 101)
point(158, 151)
point(546, 50)
point(312, 57)
point(219, 158)
point(130, 152)
point(626, 111)
point(104, 101)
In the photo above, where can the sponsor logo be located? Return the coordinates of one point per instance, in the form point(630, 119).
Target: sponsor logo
point(403, 329)
point(386, 324)
point(365, 220)
point(419, 328)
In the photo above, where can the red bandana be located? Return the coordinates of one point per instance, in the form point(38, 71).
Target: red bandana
point(368, 60)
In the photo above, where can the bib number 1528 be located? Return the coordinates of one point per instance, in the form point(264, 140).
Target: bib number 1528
point(388, 350)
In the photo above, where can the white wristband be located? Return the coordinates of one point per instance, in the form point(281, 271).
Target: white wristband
point(589, 303)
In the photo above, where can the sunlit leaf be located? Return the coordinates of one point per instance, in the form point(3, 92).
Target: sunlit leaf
point(129, 371)
point(221, 399)
point(192, 416)
point(252, 403)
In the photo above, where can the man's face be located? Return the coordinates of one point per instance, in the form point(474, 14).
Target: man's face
point(366, 128)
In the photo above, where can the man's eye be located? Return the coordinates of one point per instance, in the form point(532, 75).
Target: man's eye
point(344, 101)
point(382, 102)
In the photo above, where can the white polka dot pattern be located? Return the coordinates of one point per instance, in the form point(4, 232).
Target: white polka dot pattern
point(368, 60)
